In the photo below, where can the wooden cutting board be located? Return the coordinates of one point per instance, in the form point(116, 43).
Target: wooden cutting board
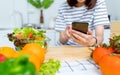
point(66, 53)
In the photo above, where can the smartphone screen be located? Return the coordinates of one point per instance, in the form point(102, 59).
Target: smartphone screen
point(80, 26)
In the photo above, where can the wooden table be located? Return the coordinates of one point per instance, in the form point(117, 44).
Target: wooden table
point(64, 53)
point(115, 27)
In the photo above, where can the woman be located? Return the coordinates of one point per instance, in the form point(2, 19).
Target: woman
point(93, 12)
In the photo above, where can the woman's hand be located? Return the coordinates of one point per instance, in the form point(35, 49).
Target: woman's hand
point(65, 35)
point(83, 39)
point(67, 32)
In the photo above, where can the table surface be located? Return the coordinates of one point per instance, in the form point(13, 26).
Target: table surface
point(71, 53)
point(74, 60)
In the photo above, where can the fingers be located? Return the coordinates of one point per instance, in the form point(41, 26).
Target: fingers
point(77, 37)
point(68, 29)
point(89, 32)
point(80, 34)
point(87, 42)
point(81, 38)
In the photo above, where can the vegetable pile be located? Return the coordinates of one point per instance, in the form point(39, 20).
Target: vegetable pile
point(28, 61)
point(22, 66)
point(29, 55)
point(35, 51)
point(27, 35)
point(108, 56)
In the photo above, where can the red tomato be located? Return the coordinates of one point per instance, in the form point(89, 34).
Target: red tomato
point(99, 52)
point(2, 58)
point(30, 35)
point(110, 49)
point(110, 64)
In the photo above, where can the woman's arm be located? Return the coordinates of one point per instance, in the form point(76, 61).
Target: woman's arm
point(63, 38)
point(99, 33)
point(64, 35)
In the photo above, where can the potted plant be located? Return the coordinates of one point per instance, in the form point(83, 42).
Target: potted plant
point(41, 4)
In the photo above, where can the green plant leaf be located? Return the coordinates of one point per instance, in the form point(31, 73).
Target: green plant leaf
point(39, 4)
point(35, 3)
point(47, 3)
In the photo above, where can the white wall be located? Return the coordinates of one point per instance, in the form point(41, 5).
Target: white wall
point(113, 9)
point(8, 17)
point(5, 10)
point(11, 10)
point(9, 13)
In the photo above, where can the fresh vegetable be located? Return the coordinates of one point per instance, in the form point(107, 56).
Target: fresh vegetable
point(115, 43)
point(36, 52)
point(32, 58)
point(108, 58)
point(35, 49)
point(50, 67)
point(7, 51)
point(20, 37)
point(110, 64)
point(104, 49)
point(29, 32)
point(17, 66)
point(2, 58)
point(100, 52)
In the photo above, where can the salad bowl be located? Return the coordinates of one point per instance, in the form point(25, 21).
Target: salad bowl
point(20, 37)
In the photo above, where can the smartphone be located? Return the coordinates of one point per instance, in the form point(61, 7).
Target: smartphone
point(80, 26)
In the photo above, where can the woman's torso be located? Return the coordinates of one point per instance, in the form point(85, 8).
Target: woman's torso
point(95, 16)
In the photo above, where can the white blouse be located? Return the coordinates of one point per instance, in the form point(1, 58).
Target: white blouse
point(95, 16)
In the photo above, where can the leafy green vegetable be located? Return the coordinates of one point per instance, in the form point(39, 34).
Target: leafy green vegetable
point(20, 37)
point(115, 43)
point(18, 48)
point(49, 68)
point(25, 31)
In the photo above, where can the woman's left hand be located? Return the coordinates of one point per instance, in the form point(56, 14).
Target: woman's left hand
point(83, 39)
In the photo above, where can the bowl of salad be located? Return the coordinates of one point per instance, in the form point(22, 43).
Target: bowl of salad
point(25, 35)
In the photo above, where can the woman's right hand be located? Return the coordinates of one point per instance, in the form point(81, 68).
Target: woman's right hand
point(65, 35)
point(67, 31)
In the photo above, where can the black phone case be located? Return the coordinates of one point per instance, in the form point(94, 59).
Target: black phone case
point(80, 26)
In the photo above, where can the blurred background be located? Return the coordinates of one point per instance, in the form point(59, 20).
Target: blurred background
point(15, 13)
